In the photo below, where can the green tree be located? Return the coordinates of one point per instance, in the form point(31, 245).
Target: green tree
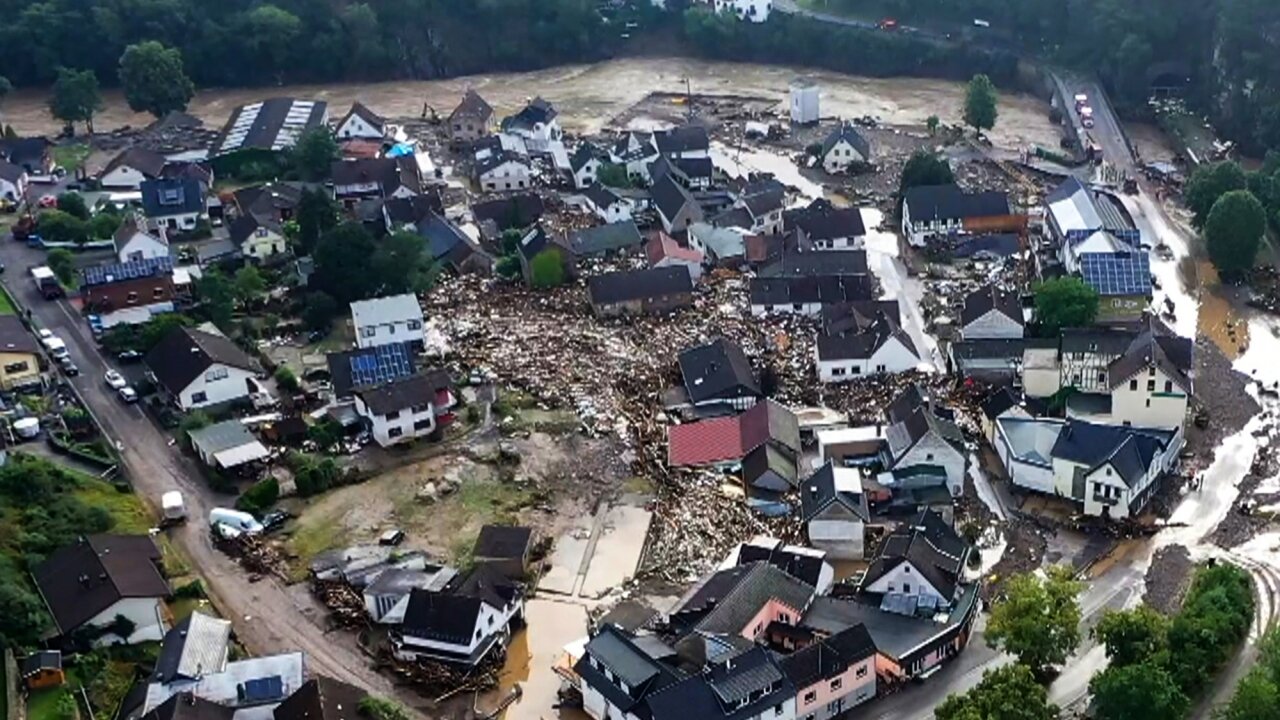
point(154, 80)
point(286, 379)
point(272, 32)
point(1207, 184)
point(1233, 233)
point(76, 97)
point(546, 270)
point(217, 295)
point(1007, 693)
point(376, 708)
point(64, 708)
point(314, 153)
point(104, 225)
point(399, 263)
point(249, 285)
point(1133, 636)
point(1137, 692)
point(980, 101)
point(260, 496)
point(318, 312)
point(22, 615)
point(932, 122)
point(63, 264)
point(72, 203)
point(56, 226)
point(344, 264)
point(613, 175)
point(924, 168)
point(1255, 698)
point(318, 213)
point(1064, 302)
point(1038, 621)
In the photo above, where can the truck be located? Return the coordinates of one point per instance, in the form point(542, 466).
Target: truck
point(46, 282)
point(1086, 116)
point(175, 510)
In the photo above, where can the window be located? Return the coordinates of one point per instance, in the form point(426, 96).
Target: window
point(880, 368)
point(415, 324)
point(861, 672)
point(423, 425)
point(1148, 402)
point(797, 307)
point(906, 587)
point(1151, 371)
point(1102, 377)
point(835, 684)
point(17, 367)
point(810, 696)
point(490, 621)
point(857, 370)
point(157, 293)
point(368, 331)
point(395, 432)
point(1075, 379)
point(393, 415)
point(777, 710)
point(1168, 386)
point(1133, 384)
point(133, 297)
point(928, 456)
point(837, 371)
point(1151, 386)
point(215, 374)
point(199, 397)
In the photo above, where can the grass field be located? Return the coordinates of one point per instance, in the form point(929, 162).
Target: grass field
point(6, 303)
point(44, 704)
point(131, 517)
point(71, 157)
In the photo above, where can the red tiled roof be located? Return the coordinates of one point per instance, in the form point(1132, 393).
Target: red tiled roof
point(663, 246)
point(705, 442)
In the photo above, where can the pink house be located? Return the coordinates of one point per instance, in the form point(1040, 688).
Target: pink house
point(833, 674)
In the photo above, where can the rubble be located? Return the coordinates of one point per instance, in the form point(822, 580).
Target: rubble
point(346, 606)
point(1167, 579)
point(254, 555)
point(441, 681)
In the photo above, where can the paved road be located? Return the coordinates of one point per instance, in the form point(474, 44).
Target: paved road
point(268, 616)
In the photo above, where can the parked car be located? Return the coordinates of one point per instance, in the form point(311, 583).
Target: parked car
point(128, 394)
point(48, 201)
point(68, 366)
point(129, 356)
point(391, 537)
point(115, 380)
point(275, 519)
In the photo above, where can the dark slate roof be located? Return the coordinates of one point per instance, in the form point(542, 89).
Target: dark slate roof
point(985, 299)
point(15, 338)
point(617, 652)
point(823, 221)
point(390, 174)
point(716, 371)
point(442, 616)
point(276, 123)
point(10, 172)
point(764, 202)
point(502, 542)
point(858, 315)
point(186, 353)
point(497, 159)
point(1172, 354)
point(81, 580)
point(949, 202)
point(605, 238)
point(441, 234)
point(1104, 341)
point(818, 264)
point(716, 693)
point(849, 133)
point(404, 393)
point(921, 423)
point(998, 402)
point(516, 211)
point(996, 244)
point(413, 210)
point(172, 196)
point(601, 196)
point(624, 286)
point(1091, 445)
point(488, 584)
point(472, 106)
point(818, 492)
point(622, 654)
point(188, 706)
point(40, 660)
point(861, 345)
point(585, 153)
point(828, 657)
point(25, 152)
point(537, 111)
point(769, 458)
point(267, 201)
point(805, 568)
point(322, 698)
point(931, 546)
point(244, 227)
point(989, 349)
point(670, 197)
point(826, 290)
point(905, 404)
point(734, 217)
point(696, 167)
point(686, 138)
point(146, 161)
point(758, 584)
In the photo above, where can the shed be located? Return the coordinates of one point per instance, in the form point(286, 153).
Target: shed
point(504, 547)
point(42, 670)
point(227, 445)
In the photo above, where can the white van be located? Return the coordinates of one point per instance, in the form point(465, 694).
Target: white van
point(175, 510)
point(233, 522)
point(56, 346)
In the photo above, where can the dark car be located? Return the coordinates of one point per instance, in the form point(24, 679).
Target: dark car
point(68, 366)
point(275, 520)
point(391, 537)
point(129, 356)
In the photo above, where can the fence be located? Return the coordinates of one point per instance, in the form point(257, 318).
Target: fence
point(15, 710)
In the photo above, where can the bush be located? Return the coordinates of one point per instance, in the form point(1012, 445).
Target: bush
point(287, 380)
point(193, 590)
point(260, 497)
point(318, 313)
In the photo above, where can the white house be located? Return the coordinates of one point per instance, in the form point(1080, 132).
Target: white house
point(924, 444)
point(991, 313)
point(537, 121)
point(617, 675)
point(384, 320)
point(804, 101)
point(929, 210)
point(13, 182)
point(200, 369)
point(174, 204)
point(461, 625)
point(403, 410)
point(879, 347)
point(826, 227)
point(387, 598)
point(133, 243)
point(361, 122)
point(384, 178)
point(636, 152)
point(922, 562)
point(89, 583)
point(130, 168)
point(585, 166)
point(1149, 391)
point(503, 171)
point(607, 205)
point(843, 148)
point(834, 510)
point(685, 142)
point(257, 239)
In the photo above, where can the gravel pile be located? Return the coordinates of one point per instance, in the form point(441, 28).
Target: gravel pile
point(1167, 579)
point(1221, 390)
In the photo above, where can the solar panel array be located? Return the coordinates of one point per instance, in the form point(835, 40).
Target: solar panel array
point(1117, 273)
point(295, 121)
point(263, 689)
point(132, 270)
point(380, 365)
point(240, 130)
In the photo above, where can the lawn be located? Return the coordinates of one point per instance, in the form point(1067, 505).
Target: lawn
point(128, 512)
point(71, 157)
point(6, 303)
point(44, 704)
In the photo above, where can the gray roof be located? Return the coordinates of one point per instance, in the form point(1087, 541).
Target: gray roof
point(949, 202)
point(721, 243)
point(272, 124)
point(850, 134)
point(904, 435)
point(818, 492)
point(818, 264)
point(1092, 444)
point(83, 579)
point(172, 196)
point(862, 344)
point(670, 197)
point(11, 172)
point(472, 106)
point(826, 290)
point(991, 297)
point(761, 583)
point(389, 309)
point(14, 336)
point(404, 393)
point(194, 647)
point(624, 286)
point(1172, 354)
point(221, 436)
point(616, 652)
point(931, 546)
point(686, 138)
point(717, 370)
point(605, 238)
point(823, 221)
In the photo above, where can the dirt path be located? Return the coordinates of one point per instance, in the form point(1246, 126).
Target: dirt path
point(589, 95)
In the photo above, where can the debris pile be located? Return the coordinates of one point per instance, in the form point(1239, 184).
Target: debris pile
point(253, 554)
point(346, 607)
point(442, 681)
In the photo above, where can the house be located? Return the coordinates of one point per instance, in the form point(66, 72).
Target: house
point(987, 247)
point(13, 182)
point(991, 312)
point(807, 296)
point(87, 584)
point(695, 173)
point(676, 207)
point(863, 345)
point(1151, 384)
point(992, 360)
point(929, 210)
point(663, 251)
point(19, 354)
point(741, 603)
point(227, 445)
point(585, 165)
point(920, 565)
point(385, 320)
point(607, 240)
point(1122, 280)
point(1076, 246)
point(246, 688)
point(129, 292)
point(536, 242)
point(200, 369)
point(449, 245)
point(817, 265)
point(375, 178)
point(462, 624)
point(725, 441)
point(636, 152)
point(618, 674)
point(409, 212)
point(1107, 470)
point(406, 409)
point(833, 674)
point(183, 706)
point(844, 148)
point(503, 171)
point(805, 98)
point(361, 122)
point(683, 143)
point(199, 645)
point(506, 548)
point(834, 510)
point(471, 120)
point(722, 247)
point(516, 212)
point(923, 442)
point(128, 169)
point(1002, 402)
point(386, 595)
point(42, 669)
point(173, 204)
point(1074, 211)
point(826, 227)
point(718, 375)
point(275, 202)
point(763, 202)
point(258, 239)
point(322, 698)
point(536, 121)
point(863, 446)
point(805, 564)
point(642, 292)
point(749, 686)
point(134, 242)
point(753, 10)
point(607, 205)
point(269, 126)
point(33, 154)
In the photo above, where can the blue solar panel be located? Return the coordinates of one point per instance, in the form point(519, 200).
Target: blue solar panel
point(264, 689)
point(132, 270)
point(1117, 273)
point(381, 365)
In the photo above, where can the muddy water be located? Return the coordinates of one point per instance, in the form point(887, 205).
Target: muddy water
point(588, 96)
point(552, 624)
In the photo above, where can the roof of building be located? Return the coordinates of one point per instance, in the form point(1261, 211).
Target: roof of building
point(664, 247)
point(172, 196)
point(1172, 354)
point(682, 139)
point(583, 154)
point(826, 290)
point(624, 286)
point(991, 297)
point(146, 161)
point(828, 657)
point(724, 439)
point(322, 698)
point(1118, 273)
point(273, 124)
point(1001, 245)
point(600, 196)
point(931, 546)
point(366, 367)
point(731, 598)
point(83, 579)
point(744, 688)
point(186, 353)
point(858, 315)
point(605, 238)
point(40, 660)
point(895, 635)
point(267, 201)
point(762, 201)
point(444, 616)
point(949, 202)
point(1074, 207)
point(537, 112)
point(363, 112)
point(25, 151)
point(503, 542)
point(717, 370)
point(904, 435)
point(472, 106)
point(10, 172)
point(131, 270)
point(722, 243)
point(818, 264)
point(383, 310)
point(670, 197)
point(497, 159)
point(848, 133)
point(1093, 444)
point(831, 485)
point(1000, 401)
point(823, 221)
point(905, 403)
point(194, 647)
point(863, 344)
point(989, 349)
point(189, 706)
point(733, 217)
point(443, 236)
point(129, 227)
point(415, 209)
point(246, 226)
point(516, 211)
point(390, 174)
point(622, 654)
point(15, 338)
point(767, 459)
point(805, 566)
point(404, 393)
